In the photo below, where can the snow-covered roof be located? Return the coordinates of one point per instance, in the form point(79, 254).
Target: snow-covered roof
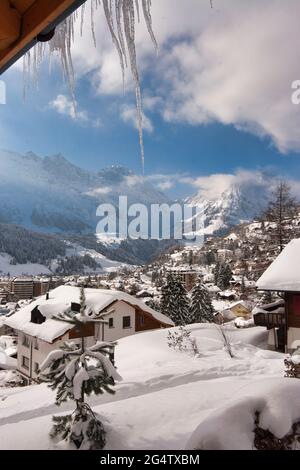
point(60, 300)
point(283, 274)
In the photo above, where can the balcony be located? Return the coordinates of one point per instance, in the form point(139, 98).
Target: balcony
point(269, 319)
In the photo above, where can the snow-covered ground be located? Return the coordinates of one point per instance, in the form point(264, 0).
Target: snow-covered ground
point(20, 269)
point(166, 394)
point(105, 264)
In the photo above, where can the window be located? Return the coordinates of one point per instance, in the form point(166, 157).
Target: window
point(142, 319)
point(25, 362)
point(126, 322)
point(36, 367)
point(110, 323)
point(26, 341)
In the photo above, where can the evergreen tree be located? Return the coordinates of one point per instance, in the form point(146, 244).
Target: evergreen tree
point(174, 301)
point(154, 304)
point(201, 310)
point(222, 274)
point(281, 210)
point(75, 371)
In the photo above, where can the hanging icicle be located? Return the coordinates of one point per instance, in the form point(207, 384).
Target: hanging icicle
point(121, 17)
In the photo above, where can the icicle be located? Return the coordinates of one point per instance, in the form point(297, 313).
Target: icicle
point(82, 19)
point(137, 6)
point(119, 6)
point(109, 19)
point(148, 19)
point(93, 22)
point(120, 17)
point(129, 30)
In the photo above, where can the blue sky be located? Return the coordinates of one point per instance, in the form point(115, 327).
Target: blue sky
point(195, 127)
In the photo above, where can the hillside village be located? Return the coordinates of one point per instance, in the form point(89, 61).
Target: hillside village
point(118, 332)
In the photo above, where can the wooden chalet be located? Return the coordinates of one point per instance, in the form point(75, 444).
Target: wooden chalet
point(282, 318)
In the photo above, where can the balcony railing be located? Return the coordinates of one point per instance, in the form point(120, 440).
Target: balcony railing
point(269, 319)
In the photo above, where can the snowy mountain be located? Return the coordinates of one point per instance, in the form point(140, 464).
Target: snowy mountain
point(51, 194)
point(240, 202)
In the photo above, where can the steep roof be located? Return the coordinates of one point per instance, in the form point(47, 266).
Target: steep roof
point(97, 300)
point(284, 273)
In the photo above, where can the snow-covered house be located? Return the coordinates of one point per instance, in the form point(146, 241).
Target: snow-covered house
point(239, 309)
point(39, 333)
point(282, 320)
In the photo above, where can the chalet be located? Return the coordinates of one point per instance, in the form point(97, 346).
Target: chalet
point(240, 309)
point(39, 333)
point(282, 319)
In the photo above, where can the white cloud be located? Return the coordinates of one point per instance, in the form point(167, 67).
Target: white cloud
point(212, 186)
point(99, 191)
point(128, 115)
point(65, 106)
point(232, 64)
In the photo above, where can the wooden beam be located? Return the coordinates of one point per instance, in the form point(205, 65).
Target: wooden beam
point(10, 24)
point(38, 18)
point(22, 5)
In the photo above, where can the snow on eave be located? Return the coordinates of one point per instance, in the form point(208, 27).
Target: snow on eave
point(283, 274)
point(134, 302)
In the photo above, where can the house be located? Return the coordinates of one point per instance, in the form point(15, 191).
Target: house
point(39, 333)
point(187, 276)
point(224, 254)
point(238, 310)
point(282, 319)
point(22, 288)
point(227, 295)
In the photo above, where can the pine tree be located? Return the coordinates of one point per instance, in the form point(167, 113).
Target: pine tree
point(174, 301)
point(75, 371)
point(201, 310)
point(222, 274)
point(281, 210)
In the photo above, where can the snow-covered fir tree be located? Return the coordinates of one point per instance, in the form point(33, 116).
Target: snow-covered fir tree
point(201, 309)
point(75, 371)
point(175, 301)
point(222, 275)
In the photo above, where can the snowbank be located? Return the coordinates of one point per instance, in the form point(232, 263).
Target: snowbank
point(165, 394)
point(230, 427)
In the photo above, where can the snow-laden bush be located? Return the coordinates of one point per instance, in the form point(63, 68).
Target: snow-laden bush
point(180, 339)
point(292, 364)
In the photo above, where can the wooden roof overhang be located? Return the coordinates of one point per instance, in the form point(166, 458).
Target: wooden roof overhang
point(23, 23)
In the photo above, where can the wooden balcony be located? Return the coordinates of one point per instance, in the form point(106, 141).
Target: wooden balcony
point(269, 319)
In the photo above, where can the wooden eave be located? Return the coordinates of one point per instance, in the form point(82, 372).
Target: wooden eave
point(24, 22)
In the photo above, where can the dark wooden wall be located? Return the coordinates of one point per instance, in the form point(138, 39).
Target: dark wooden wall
point(88, 330)
point(149, 322)
point(293, 309)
